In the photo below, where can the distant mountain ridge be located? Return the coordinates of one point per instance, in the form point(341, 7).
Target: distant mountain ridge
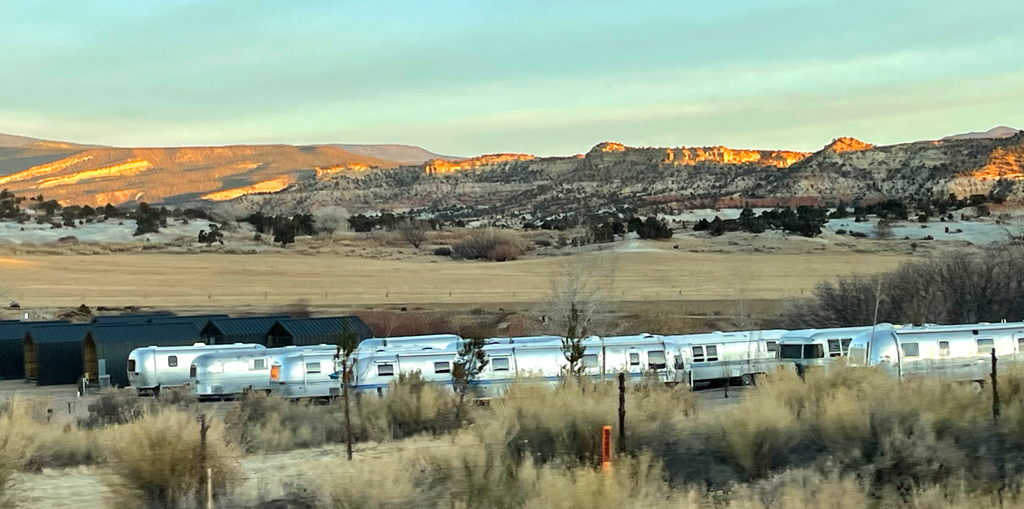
point(406, 154)
point(290, 179)
point(516, 188)
point(996, 132)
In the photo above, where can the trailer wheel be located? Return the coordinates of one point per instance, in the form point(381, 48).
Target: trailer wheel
point(976, 387)
point(747, 379)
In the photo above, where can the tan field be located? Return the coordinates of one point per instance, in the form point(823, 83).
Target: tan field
point(220, 281)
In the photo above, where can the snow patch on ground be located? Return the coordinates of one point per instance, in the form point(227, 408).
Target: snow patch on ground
point(112, 230)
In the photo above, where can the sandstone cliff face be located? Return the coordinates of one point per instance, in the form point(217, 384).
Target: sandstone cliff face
point(613, 175)
point(437, 166)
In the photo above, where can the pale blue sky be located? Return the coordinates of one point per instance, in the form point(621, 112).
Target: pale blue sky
point(547, 77)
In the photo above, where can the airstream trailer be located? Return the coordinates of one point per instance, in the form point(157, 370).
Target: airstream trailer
point(724, 356)
point(429, 340)
point(227, 374)
point(374, 370)
point(809, 348)
point(154, 367)
point(957, 352)
point(304, 374)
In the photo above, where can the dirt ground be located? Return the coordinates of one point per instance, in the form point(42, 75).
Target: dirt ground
point(257, 282)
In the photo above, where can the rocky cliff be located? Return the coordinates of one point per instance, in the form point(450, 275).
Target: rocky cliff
point(613, 175)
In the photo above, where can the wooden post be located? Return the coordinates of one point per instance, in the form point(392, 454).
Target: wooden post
point(622, 412)
point(348, 420)
point(606, 448)
point(204, 471)
point(209, 488)
point(995, 387)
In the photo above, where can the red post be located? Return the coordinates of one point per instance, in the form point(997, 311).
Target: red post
point(606, 448)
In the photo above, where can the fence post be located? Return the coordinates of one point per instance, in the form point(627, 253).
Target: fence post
point(606, 448)
point(995, 387)
point(622, 412)
point(205, 473)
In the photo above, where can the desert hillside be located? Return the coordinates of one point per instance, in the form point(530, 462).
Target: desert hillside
point(611, 176)
point(100, 175)
point(290, 179)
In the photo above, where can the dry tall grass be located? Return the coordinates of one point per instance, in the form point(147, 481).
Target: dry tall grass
point(158, 462)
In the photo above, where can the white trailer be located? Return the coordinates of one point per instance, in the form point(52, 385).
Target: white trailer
point(152, 368)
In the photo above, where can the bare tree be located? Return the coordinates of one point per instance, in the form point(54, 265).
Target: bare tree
point(576, 307)
point(413, 231)
point(347, 344)
point(331, 219)
point(469, 363)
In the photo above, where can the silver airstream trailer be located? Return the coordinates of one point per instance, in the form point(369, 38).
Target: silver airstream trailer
point(809, 348)
point(374, 370)
point(305, 374)
point(429, 340)
point(228, 374)
point(956, 352)
point(154, 367)
point(725, 356)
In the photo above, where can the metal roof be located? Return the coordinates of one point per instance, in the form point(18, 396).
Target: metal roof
point(113, 343)
point(313, 331)
point(200, 321)
point(240, 330)
point(131, 318)
point(53, 353)
point(12, 338)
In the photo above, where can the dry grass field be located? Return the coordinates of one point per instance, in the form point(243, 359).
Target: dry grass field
point(220, 281)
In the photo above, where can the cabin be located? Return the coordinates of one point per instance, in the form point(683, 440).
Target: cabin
point(53, 353)
point(12, 340)
point(226, 331)
point(315, 331)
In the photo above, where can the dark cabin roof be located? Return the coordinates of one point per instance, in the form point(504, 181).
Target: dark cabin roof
point(314, 331)
point(200, 321)
point(12, 339)
point(113, 343)
point(252, 329)
point(57, 353)
point(131, 318)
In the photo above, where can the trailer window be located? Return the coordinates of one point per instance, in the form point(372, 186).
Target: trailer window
point(1020, 345)
point(698, 354)
point(634, 359)
point(656, 359)
point(312, 368)
point(790, 351)
point(172, 361)
point(814, 352)
point(712, 353)
point(499, 364)
point(943, 348)
point(834, 348)
point(385, 369)
point(442, 367)
point(911, 350)
point(857, 355)
point(985, 346)
point(846, 344)
point(259, 364)
point(131, 364)
point(590, 361)
point(772, 346)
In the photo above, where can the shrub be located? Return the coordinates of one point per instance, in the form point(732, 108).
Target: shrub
point(115, 406)
point(489, 245)
point(156, 461)
point(443, 251)
point(543, 242)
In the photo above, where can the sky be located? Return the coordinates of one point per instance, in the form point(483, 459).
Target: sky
point(548, 77)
